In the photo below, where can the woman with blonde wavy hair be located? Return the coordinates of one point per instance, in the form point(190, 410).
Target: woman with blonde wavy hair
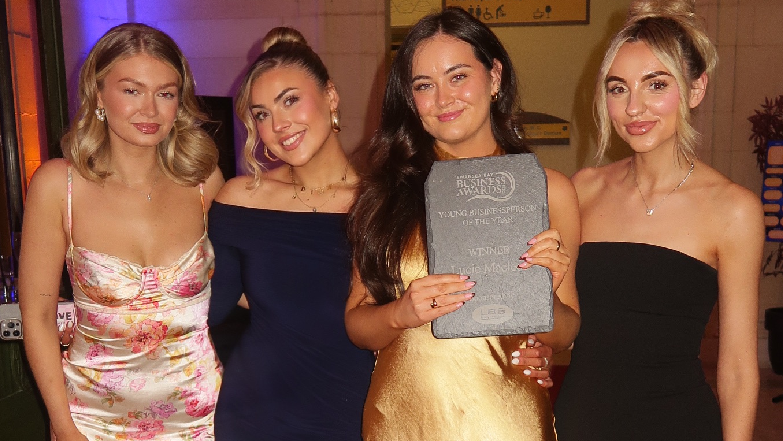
point(664, 236)
point(126, 211)
point(280, 239)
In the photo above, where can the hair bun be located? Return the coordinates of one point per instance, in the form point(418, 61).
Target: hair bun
point(282, 35)
point(682, 9)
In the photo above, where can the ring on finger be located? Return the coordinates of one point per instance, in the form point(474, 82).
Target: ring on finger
point(558, 245)
point(433, 304)
point(546, 363)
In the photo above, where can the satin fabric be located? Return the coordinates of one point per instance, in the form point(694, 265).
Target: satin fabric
point(425, 388)
point(141, 365)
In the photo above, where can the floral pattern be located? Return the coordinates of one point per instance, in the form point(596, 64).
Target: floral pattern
point(141, 365)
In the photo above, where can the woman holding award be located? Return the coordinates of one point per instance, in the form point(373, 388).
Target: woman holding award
point(664, 237)
point(451, 93)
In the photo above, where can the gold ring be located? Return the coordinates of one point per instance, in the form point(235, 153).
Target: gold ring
point(434, 304)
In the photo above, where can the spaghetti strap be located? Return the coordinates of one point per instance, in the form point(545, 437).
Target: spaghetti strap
point(70, 217)
point(203, 205)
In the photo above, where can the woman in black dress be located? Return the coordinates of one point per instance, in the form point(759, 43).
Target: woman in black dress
point(280, 239)
point(663, 237)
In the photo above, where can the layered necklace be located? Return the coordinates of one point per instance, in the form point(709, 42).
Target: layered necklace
point(316, 190)
point(649, 210)
point(147, 194)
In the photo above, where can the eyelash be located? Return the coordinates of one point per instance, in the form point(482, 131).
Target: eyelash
point(616, 89)
point(164, 94)
point(288, 101)
point(655, 86)
point(659, 85)
point(423, 86)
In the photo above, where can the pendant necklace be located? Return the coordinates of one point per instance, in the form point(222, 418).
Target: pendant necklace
point(320, 190)
point(148, 195)
point(649, 210)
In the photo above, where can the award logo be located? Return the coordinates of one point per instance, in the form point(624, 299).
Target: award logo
point(495, 186)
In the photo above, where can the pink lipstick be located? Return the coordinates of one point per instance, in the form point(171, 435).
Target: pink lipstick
point(147, 128)
point(450, 116)
point(639, 127)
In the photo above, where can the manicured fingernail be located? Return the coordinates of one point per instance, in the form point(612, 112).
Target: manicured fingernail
point(524, 264)
point(61, 327)
point(527, 372)
point(459, 305)
point(464, 277)
point(469, 284)
point(532, 241)
point(522, 257)
point(469, 295)
point(540, 381)
point(69, 324)
point(530, 341)
point(515, 354)
point(514, 361)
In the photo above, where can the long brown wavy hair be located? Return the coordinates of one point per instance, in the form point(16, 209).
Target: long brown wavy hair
point(389, 209)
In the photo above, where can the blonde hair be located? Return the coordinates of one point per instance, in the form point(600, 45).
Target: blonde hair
point(283, 47)
point(188, 155)
point(674, 34)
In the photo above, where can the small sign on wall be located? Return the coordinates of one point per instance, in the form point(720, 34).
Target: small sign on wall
point(772, 192)
point(526, 12)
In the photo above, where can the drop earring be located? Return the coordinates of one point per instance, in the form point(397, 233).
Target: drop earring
point(100, 113)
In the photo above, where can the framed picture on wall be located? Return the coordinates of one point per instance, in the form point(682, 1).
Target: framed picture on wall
point(526, 13)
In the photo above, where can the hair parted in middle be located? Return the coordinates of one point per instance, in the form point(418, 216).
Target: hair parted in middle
point(283, 47)
point(188, 154)
point(672, 31)
point(389, 209)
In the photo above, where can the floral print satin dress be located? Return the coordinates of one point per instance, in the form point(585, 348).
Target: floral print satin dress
point(141, 365)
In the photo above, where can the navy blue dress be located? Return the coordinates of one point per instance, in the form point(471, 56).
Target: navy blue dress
point(294, 374)
point(635, 372)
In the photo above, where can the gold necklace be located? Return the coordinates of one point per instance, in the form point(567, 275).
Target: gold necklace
point(319, 190)
point(649, 210)
point(147, 194)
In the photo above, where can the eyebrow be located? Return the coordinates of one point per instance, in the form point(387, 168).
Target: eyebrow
point(277, 98)
point(140, 84)
point(448, 71)
point(658, 73)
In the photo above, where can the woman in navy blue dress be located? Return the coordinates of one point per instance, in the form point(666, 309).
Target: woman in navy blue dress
point(280, 239)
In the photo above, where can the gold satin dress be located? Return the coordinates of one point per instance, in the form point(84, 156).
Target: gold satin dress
point(431, 389)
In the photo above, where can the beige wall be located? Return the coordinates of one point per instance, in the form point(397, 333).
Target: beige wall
point(557, 67)
point(750, 47)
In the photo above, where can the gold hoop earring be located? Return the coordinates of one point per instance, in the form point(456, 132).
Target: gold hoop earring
point(100, 113)
point(336, 121)
point(268, 156)
point(493, 97)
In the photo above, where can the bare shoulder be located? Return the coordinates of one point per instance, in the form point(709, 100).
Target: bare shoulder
point(563, 201)
point(235, 191)
point(50, 180)
point(213, 185)
point(591, 181)
point(732, 202)
point(558, 184)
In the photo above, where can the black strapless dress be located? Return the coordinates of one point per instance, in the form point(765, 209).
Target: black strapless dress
point(635, 372)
